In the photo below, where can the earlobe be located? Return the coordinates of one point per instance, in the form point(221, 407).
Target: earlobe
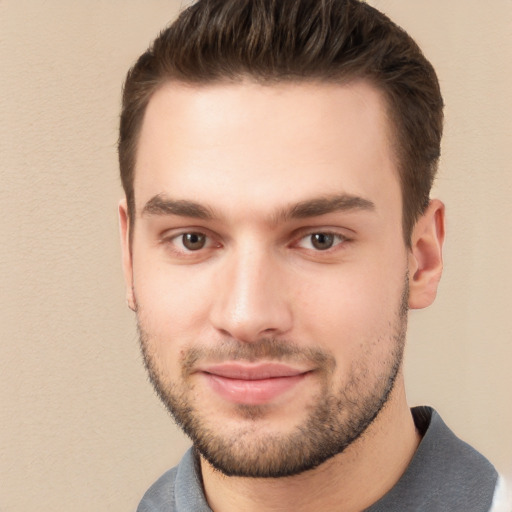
point(426, 256)
point(124, 229)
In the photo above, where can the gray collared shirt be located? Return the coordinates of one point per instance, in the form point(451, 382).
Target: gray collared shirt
point(445, 474)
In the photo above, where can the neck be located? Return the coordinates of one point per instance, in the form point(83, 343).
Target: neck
point(349, 482)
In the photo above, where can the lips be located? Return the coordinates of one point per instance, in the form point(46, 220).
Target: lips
point(252, 384)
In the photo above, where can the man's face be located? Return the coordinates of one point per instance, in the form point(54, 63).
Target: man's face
point(268, 268)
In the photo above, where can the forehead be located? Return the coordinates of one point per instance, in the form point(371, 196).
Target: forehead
point(244, 140)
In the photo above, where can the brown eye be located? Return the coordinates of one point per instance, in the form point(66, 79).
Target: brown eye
point(193, 241)
point(322, 241)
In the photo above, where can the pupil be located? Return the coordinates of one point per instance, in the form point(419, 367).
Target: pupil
point(194, 241)
point(322, 241)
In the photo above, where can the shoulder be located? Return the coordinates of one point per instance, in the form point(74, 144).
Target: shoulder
point(445, 473)
point(178, 490)
point(454, 458)
point(160, 496)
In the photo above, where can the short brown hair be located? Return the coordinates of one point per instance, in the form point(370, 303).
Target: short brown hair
point(297, 40)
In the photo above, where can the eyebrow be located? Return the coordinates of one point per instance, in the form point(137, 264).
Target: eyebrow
point(324, 205)
point(162, 205)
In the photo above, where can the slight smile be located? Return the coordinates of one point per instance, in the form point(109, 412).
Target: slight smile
point(251, 384)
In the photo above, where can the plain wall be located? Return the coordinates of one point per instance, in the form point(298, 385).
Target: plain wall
point(81, 428)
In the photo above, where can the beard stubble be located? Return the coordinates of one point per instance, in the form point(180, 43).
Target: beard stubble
point(334, 419)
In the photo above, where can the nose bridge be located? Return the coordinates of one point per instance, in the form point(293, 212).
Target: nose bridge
point(251, 302)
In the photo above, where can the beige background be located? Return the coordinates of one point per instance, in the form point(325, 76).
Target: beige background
point(80, 427)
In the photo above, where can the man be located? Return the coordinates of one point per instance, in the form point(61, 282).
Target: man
point(277, 158)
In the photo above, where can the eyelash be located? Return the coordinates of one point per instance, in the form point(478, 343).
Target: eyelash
point(170, 242)
point(338, 239)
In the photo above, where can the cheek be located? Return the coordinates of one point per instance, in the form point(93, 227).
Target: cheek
point(171, 308)
point(169, 291)
point(350, 311)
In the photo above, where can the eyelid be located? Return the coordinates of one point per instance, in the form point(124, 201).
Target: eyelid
point(308, 232)
point(170, 236)
point(213, 240)
point(172, 233)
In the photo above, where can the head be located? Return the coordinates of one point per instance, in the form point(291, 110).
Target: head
point(277, 159)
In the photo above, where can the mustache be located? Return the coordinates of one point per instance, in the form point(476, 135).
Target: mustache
point(265, 349)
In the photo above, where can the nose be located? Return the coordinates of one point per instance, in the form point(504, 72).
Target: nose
point(252, 298)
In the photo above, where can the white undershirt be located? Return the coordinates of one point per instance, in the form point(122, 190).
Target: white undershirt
point(502, 501)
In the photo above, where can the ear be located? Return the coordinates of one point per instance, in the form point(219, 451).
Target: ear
point(126, 250)
point(426, 256)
